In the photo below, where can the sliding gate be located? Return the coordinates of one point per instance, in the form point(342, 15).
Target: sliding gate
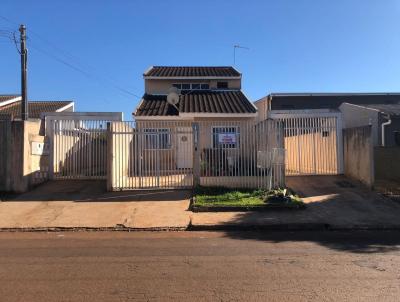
point(151, 154)
point(313, 142)
point(181, 154)
point(78, 144)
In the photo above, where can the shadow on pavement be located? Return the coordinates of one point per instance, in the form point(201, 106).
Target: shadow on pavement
point(364, 242)
point(337, 202)
point(93, 191)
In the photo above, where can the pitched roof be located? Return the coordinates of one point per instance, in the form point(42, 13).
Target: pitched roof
point(35, 109)
point(7, 97)
point(192, 71)
point(233, 102)
point(391, 109)
point(328, 100)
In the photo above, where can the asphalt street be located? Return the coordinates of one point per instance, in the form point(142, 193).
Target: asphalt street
point(200, 266)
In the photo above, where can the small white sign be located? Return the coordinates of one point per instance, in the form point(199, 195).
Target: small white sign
point(39, 148)
point(227, 138)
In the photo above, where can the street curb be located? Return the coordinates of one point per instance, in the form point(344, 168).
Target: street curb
point(94, 229)
point(292, 227)
point(218, 227)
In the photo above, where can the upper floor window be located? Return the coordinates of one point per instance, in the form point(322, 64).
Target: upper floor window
point(192, 86)
point(222, 85)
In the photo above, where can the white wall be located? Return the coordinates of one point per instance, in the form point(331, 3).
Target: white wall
point(358, 116)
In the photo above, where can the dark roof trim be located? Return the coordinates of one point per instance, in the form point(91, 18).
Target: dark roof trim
point(332, 94)
point(192, 72)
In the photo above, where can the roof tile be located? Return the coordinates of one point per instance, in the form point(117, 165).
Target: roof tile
point(192, 71)
point(196, 102)
point(35, 109)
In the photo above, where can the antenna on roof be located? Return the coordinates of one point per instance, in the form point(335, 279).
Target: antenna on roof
point(234, 51)
point(173, 96)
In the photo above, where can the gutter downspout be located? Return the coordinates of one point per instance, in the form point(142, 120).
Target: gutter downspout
point(383, 128)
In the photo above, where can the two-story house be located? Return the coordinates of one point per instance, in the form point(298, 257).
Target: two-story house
point(211, 96)
point(206, 92)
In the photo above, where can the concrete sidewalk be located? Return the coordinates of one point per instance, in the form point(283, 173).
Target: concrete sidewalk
point(86, 204)
point(333, 202)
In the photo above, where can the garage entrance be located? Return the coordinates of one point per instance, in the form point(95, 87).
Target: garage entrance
point(313, 141)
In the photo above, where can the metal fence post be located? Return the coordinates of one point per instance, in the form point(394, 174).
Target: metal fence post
point(196, 155)
point(109, 157)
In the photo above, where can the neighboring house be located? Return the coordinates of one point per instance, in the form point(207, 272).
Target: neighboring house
point(10, 108)
point(383, 118)
point(10, 105)
point(306, 101)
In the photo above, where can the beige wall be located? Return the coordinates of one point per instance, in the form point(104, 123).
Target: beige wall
point(26, 169)
point(262, 106)
point(153, 86)
point(359, 154)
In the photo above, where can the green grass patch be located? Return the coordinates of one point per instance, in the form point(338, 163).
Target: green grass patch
point(224, 197)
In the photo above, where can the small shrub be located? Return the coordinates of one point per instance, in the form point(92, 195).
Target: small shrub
point(280, 195)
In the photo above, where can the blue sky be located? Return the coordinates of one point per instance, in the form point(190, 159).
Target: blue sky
point(295, 46)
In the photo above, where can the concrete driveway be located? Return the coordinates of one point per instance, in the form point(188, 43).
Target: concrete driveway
point(332, 201)
point(86, 204)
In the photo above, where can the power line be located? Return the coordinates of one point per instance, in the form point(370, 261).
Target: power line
point(76, 60)
point(65, 54)
point(77, 69)
point(8, 20)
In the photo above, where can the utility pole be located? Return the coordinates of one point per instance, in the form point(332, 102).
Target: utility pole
point(24, 58)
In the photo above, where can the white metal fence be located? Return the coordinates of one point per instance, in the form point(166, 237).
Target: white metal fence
point(241, 154)
point(78, 144)
point(146, 155)
point(313, 142)
point(79, 149)
point(181, 154)
point(169, 154)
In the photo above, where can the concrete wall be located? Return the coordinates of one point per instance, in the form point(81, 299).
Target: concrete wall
point(387, 163)
point(24, 168)
point(262, 106)
point(357, 116)
point(154, 86)
point(359, 154)
point(5, 145)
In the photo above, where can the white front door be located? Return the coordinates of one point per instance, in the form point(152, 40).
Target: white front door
point(184, 146)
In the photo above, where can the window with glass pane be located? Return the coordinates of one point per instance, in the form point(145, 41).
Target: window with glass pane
point(157, 138)
point(179, 86)
point(195, 86)
point(225, 137)
point(205, 86)
point(222, 85)
point(185, 86)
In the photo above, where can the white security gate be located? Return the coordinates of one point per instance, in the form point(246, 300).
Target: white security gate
point(150, 155)
point(78, 144)
point(181, 154)
point(167, 154)
point(241, 153)
point(313, 142)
